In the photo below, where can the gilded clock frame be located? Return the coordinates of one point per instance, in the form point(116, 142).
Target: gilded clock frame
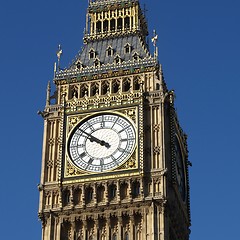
point(129, 167)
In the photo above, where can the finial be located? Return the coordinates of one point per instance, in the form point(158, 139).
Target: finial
point(59, 53)
point(154, 41)
point(48, 94)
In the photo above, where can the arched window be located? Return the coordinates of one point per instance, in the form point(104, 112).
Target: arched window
point(112, 192)
point(114, 237)
point(77, 196)
point(73, 92)
point(126, 85)
point(97, 62)
point(136, 85)
point(136, 189)
point(66, 197)
point(135, 56)
point(79, 65)
point(113, 24)
point(109, 51)
point(100, 193)
point(119, 23)
point(92, 54)
point(127, 22)
point(94, 89)
point(126, 237)
point(115, 86)
point(105, 87)
point(83, 91)
point(127, 48)
point(89, 194)
point(98, 26)
point(118, 60)
point(105, 25)
point(123, 190)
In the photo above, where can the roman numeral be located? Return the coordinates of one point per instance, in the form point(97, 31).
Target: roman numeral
point(123, 140)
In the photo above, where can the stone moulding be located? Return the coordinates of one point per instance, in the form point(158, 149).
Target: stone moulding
point(66, 75)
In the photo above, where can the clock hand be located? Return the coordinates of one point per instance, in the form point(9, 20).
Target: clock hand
point(94, 139)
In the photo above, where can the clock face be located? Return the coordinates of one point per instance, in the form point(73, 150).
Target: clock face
point(180, 171)
point(102, 142)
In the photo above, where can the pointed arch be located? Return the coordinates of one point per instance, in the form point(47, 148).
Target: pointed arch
point(115, 86)
point(127, 48)
point(105, 25)
point(99, 26)
point(88, 194)
point(100, 193)
point(127, 23)
point(94, 89)
point(104, 87)
point(79, 65)
point(84, 90)
point(119, 23)
point(126, 84)
point(136, 83)
point(113, 25)
point(92, 53)
point(97, 62)
point(123, 190)
point(109, 51)
point(135, 56)
point(112, 192)
point(117, 59)
point(73, 92)
point(114, 236)
point(135, 189)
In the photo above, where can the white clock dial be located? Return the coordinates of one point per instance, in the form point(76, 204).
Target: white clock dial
point(102, 142)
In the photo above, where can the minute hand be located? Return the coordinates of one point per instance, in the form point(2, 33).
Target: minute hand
point(94, 139)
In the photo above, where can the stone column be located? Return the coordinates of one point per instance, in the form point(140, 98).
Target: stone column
point(118, 191)
point(95, 194)
point(130, 189)
point(131, 235)
point(95, 227)
point(83, 196)
point(71, 196)
point(120, 223)
point(106, 192)
point(84, 227)
point(58, 222)
point(73, 228)
point(108, 225)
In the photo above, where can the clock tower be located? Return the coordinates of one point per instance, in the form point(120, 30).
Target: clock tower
point(114, 159)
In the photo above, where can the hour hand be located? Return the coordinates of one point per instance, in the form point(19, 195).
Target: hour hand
point(94, 139)
point(101, 142)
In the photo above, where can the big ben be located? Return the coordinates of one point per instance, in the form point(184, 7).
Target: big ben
point(114, 159)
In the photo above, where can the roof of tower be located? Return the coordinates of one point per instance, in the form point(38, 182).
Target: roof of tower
point(118, 45)
point(136, 56)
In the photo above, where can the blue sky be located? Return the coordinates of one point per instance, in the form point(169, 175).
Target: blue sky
point(199, 50)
